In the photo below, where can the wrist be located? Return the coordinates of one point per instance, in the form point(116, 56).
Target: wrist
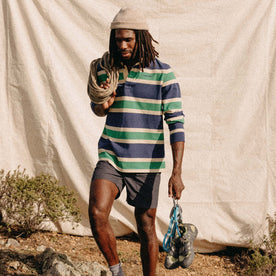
point(177, 171)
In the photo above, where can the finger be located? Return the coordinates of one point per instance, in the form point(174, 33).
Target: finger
point(106, 84)
point(113, 95)
point(177, 196)
point(109, 102)
point(105, 105)
point(170, 191)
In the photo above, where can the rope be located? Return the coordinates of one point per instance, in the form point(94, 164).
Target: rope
point(173, 229)
point(97, 94)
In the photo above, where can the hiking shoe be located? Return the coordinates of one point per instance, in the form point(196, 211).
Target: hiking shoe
point(186, 251)
point(171, 260)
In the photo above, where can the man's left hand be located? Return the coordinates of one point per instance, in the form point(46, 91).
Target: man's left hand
point(176, 185)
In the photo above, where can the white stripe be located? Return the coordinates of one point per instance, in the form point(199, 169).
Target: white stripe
point(128, 129)
point(169, 82)
point(137, 111)
point(146, 70)
point(125, 159)
point(132, 170)
point(172, 111)
point(177, 130)
point(153, 82)
point(122, 81)
point(133, 141)
point(102, 72)
point(172, 100)
point(135, 99)
point(175, 118)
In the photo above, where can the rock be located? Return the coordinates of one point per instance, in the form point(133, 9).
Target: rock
point(12, 242)
point(20, 268)
point(61, 269)
point(57, 264)
point(92, 269)
point(49, 262)
point(41, 248)
point(14, 265)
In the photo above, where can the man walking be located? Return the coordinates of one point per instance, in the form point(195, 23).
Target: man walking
point(131, 147)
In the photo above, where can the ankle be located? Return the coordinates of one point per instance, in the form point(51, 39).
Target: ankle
point(117, 270)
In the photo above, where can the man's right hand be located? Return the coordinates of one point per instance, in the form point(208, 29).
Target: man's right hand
point(102, 109)
point(109, 103)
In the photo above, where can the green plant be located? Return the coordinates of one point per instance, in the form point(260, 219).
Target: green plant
point(262, 258)
point(26, 202)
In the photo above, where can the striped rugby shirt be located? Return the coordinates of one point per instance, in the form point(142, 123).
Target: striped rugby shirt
point(133, 139)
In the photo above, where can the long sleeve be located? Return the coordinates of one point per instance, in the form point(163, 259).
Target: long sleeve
point(172, 108)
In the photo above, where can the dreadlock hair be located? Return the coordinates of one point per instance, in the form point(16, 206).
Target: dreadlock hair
point(144, 52)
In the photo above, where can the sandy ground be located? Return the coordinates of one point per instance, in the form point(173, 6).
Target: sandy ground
point(85, 249)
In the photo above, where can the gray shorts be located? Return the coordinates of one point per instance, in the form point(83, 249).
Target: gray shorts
point(142, 188)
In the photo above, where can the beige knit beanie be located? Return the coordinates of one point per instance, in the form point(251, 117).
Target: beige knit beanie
point(129, 18)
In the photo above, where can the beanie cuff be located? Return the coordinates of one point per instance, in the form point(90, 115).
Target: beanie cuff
point(129, 25)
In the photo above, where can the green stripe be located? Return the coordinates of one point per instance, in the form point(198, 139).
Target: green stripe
point(171, 106)
point(103, 77)
point(151, 76)
point(145, 76)
point(133, 135)
point(121, 76)
point(175, 121)
point(168, 77)
point(137, 105)
point(133, 165)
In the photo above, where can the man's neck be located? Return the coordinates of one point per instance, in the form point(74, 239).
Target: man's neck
point(130, 63)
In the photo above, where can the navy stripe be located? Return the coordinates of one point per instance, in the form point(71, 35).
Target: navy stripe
point(134, 120)
point(177, 137)
point(158, 65)
point(133, 150)
point(175, 126)
point(142, 90)
point(171, 91)
point(173, 115)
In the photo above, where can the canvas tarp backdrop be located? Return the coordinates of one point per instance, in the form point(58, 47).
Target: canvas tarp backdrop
point(223, 54)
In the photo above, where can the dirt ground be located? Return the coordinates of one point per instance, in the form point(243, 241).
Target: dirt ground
point(85, 249)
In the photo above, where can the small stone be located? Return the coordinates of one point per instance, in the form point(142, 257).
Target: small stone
point(41, 248)
point(14, 265)
point(12, 242)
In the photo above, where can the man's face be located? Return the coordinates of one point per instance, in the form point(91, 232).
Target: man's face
point(125, 40)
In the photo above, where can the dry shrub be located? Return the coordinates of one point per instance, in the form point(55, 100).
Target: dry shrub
point(260, 260)
point(26, 202)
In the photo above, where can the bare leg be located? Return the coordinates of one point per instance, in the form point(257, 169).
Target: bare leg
point(102, 195)
point(145, 219)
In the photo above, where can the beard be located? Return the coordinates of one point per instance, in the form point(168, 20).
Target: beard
point(126, 54)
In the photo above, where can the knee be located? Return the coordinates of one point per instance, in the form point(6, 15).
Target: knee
point(146, 224)
point(97, 216)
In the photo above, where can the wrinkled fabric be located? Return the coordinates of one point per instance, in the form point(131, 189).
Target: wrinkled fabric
point(223, 55)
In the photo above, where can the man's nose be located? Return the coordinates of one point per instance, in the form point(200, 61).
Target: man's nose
point(123, 45)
